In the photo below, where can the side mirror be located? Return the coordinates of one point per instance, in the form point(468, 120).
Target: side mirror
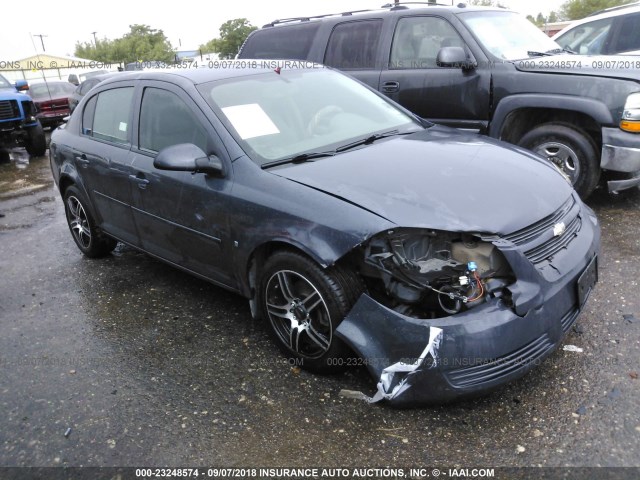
point(21, 85)
point(454, 57)
point(187, 157)
point(73, 78)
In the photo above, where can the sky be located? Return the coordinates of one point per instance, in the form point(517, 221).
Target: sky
point(187, 24)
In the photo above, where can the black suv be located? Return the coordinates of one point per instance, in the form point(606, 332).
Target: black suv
point(486, 69)
point(19, 126)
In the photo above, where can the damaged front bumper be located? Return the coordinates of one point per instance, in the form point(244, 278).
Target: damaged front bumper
point(424, 361)
point(621, 153)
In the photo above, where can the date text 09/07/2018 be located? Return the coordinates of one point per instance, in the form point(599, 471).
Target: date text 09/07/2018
point(367, 472)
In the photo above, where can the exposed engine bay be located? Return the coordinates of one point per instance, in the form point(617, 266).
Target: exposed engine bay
point(433, 274)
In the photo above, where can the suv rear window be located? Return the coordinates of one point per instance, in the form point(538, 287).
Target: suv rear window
point(289, 42)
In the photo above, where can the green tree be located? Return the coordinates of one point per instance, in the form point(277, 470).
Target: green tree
point(553, 17)
point(233, 33)
point(577, 9)
point(142, 43)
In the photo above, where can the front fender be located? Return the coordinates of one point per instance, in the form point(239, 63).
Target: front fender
point(588, 106)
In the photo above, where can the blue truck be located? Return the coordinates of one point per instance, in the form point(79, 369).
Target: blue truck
point(19, 126)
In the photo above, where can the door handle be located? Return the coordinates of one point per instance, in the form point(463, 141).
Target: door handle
point(141, 181)
point(390, 87)
point(83, 160)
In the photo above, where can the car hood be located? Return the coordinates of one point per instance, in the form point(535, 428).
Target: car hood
point(440, 179)
point(11, 94)
point(616, 66)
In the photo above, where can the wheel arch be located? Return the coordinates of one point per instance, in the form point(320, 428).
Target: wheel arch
point(518, 114)
point(258, 257)
point(69, 177)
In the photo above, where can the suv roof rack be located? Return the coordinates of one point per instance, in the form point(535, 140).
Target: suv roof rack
point(401, 5)
point(395, 5)
point(306, 19)
point(613, 9)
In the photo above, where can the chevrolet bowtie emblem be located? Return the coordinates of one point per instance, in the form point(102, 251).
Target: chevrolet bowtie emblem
point(558, 229)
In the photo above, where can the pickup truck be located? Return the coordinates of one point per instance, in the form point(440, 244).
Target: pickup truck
point(19, 126)
point(488, 70)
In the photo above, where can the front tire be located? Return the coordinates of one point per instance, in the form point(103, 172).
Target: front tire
point(36, 144)
point(304, 304)
point(569, 148)
point(88, 238)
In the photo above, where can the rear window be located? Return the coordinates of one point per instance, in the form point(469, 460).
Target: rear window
point(290, 42)
point(51, 89)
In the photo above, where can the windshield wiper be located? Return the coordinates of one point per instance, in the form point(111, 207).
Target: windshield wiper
point(539, 54)
point(561, 50)
point(370, 139)
point(301, 158)
point(548, 53)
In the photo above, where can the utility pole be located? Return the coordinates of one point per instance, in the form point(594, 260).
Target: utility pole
point(41, 40)
point(95, 42)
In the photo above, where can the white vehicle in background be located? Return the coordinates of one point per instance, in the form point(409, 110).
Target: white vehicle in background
point(609, 32)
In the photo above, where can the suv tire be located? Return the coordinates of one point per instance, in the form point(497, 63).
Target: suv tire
point(36, 144)
point(569, 148)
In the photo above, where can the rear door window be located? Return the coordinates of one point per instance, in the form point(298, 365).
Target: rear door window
point(112, 117)
point(354, 45)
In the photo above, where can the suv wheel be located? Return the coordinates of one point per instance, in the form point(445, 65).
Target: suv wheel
point(570, 149)
point(36, 144)
point(304, 304)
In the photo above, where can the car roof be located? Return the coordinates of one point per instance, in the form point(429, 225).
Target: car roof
point(101, 77)
point(415, 8)
point(214, 70)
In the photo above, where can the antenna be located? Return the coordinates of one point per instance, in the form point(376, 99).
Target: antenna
point(41, 40)
point(38, 55)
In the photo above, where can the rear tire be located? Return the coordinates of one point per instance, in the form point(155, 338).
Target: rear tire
point(88, 238)
point(36, 144)
point(304, 304)
point(569, 148)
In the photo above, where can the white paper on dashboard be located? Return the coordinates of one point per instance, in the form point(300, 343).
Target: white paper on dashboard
point(250, 121)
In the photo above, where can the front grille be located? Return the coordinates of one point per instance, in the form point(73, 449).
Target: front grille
point(540, 242)
point(492, 370)
point(549, 248)
point(531, 232)
point(9, 109)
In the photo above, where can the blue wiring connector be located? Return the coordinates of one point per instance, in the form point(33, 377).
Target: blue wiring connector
point(472, 267)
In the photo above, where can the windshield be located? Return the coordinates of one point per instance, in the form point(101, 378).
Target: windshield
point(507, 35)
point(277, 116)
point(587, 39)
point(4, 83)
